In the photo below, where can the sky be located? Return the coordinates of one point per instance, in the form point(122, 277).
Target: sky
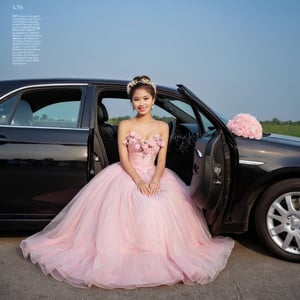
point(238, 56)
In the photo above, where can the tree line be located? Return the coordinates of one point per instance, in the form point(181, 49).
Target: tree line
point(276, 121)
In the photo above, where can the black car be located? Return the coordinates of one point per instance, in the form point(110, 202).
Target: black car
point(56, 134)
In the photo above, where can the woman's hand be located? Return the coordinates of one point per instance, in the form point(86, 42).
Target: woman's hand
point(143, 187)
point(154, 187)
point(146, 189)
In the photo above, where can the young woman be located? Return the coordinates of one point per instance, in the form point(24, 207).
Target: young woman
point(134, 224)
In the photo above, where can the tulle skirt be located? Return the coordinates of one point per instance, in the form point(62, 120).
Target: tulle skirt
point(112, 236)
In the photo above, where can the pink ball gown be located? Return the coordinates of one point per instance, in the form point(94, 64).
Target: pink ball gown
point(112, 236)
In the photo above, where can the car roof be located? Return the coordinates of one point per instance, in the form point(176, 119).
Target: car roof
point(7, 86)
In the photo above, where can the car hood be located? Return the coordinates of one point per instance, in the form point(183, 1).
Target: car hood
point(283, 139)
point(272, 146)
point(274, 150)
point(275, 141)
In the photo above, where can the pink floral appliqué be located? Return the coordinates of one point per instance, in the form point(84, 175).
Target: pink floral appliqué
point(143, 145)
point(245, 125)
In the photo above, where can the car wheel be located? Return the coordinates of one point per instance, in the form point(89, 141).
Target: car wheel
point(277, 219)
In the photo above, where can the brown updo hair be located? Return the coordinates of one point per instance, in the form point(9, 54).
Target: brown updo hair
point(144, 82)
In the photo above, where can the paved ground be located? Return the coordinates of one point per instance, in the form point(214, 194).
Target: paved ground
point(251, 273)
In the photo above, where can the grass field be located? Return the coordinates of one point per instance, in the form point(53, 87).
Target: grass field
point(292, 129)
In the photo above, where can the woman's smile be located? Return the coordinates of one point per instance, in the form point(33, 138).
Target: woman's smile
point(142, 108)
point(142, 101)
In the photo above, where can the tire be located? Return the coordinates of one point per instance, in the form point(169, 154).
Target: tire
point(277, 219)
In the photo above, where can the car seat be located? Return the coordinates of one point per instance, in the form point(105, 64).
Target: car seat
point(108, 134)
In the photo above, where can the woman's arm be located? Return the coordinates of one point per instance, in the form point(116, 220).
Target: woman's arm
point(161, 159)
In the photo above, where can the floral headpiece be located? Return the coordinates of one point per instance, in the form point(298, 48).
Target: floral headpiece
point(134, 82)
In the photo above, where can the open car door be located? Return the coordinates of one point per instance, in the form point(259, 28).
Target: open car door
point(214, 168)
point(212, 181)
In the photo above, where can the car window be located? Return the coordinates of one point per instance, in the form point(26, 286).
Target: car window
point(7, 108)
point(184, 107)
point(207, 124)
point(118, 109)
point(61, 114)
point(43, 107)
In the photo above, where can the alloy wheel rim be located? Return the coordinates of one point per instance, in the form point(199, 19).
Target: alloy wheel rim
point(283, 222)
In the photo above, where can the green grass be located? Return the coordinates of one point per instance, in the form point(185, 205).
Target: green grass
point(292, 129)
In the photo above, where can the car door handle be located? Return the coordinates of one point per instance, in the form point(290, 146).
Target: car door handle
point(96, 157)
point(198, 153)
point(3, 140)
point(217, 171)
point(217, 182)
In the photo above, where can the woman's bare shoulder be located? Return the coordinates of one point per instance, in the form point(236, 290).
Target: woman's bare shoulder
point(125, 123)
point(124, 126)
point(162, 125)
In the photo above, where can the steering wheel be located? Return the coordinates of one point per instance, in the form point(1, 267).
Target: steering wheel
point(172, 129)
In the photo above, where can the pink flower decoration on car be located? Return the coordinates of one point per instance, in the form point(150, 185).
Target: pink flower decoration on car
point(245, 125)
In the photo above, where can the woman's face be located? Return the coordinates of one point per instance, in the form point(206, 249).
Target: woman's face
point(142, 101)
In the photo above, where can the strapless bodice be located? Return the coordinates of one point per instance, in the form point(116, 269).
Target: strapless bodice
point(142, 152)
